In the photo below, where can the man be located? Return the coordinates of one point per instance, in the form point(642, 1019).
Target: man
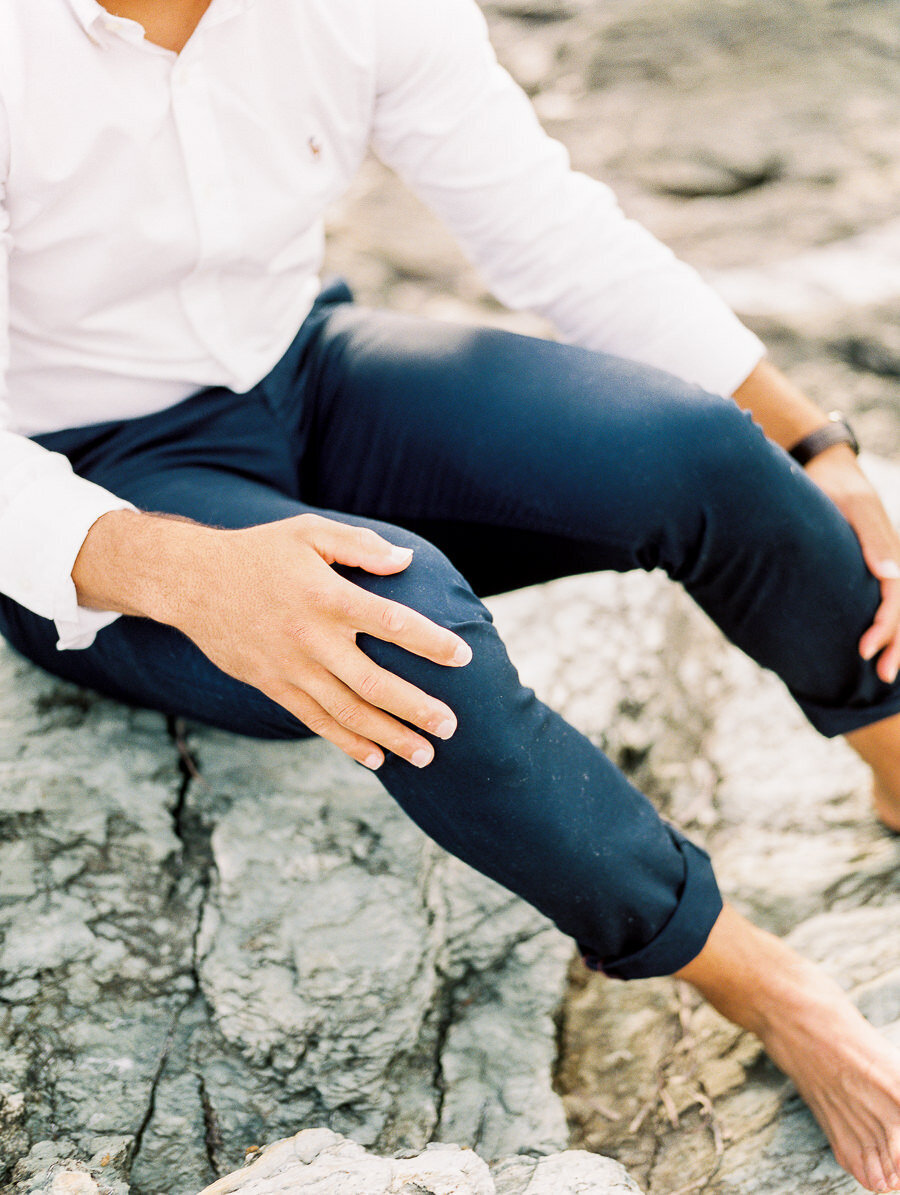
point(331, 499)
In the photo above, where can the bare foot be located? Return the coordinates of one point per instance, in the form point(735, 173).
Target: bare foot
point(846, 1071)
point(850, 1078)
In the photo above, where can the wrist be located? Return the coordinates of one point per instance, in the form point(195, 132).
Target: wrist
point(834, 432)
point(834, 455)
point(837, 471)
point(148, 565)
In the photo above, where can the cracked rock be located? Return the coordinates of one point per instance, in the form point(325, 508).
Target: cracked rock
point(340, 948)
point(218, 960)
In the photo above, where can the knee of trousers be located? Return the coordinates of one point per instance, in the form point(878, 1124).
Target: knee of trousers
point(486, 695)
point(433, 587)
point(716, 479)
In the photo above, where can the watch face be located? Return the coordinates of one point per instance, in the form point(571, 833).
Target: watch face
point(838, 419)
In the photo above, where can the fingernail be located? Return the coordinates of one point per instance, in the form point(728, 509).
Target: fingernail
point(400, 555)
point(463, 654)
point(446, 728)
point(889, 570)
point(892, 676)
point(372, 761)
point(421, 758)
point(867, 653)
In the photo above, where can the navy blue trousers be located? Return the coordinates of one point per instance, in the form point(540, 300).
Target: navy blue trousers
point(502, 460)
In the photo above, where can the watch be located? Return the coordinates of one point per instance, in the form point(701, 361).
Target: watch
point(836, 431)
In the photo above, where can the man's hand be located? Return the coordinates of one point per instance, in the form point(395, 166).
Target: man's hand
point(786, 415)
point(837, 472)
point(265, 606)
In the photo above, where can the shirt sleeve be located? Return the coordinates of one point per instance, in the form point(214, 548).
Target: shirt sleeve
point(45, 509)
point(465, 137)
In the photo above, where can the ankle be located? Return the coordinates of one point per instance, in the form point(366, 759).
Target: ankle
point(886, 804)
point(757, 982)
point(878, 745)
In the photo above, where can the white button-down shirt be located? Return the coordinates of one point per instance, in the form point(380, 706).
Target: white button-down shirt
point(161, 223)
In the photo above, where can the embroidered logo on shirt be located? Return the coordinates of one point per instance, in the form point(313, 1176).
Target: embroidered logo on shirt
point(315, 147)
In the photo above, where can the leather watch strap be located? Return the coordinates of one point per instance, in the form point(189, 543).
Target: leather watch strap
point(836, 431)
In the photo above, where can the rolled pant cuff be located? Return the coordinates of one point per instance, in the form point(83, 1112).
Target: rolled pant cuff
point(684, 935)
point(832, 722)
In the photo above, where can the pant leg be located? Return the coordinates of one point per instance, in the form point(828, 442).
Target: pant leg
point(517, 793)
point(526, 459)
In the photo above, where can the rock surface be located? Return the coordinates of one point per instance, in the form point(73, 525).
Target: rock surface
point(209, 944)
point(207, 962)
point(322, 1161)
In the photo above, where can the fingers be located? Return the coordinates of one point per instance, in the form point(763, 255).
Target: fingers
point(857, 499)
point(358, 547)
point(333, 710)
point(886, 570)
point(385, 691)
point(363, 718)
point(363, 697)
point(884, 634)
point(881, 550)
point(395, 623)
point(311, 714)
point(323, 677)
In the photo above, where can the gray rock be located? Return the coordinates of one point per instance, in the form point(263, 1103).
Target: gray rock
point(96, 915)
point(13, 1137)
point(574, 1171)
point(50, 1168)
point(268, 945)
point(339, 949)
point(321, 1161)
point(854, 272)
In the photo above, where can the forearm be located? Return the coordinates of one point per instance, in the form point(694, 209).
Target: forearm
point(784, 413)
point(144, 564)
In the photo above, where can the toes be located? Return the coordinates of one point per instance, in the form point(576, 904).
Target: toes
point(890, 1158)
point(875, 1177)
point(865, 1166)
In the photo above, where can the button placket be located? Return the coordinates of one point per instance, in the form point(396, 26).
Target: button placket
point(211, 191)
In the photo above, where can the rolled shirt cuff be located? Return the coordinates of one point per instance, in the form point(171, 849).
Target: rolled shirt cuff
point(685, 933)
point(78, 629)
point(41, 533)
point(76, 625)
